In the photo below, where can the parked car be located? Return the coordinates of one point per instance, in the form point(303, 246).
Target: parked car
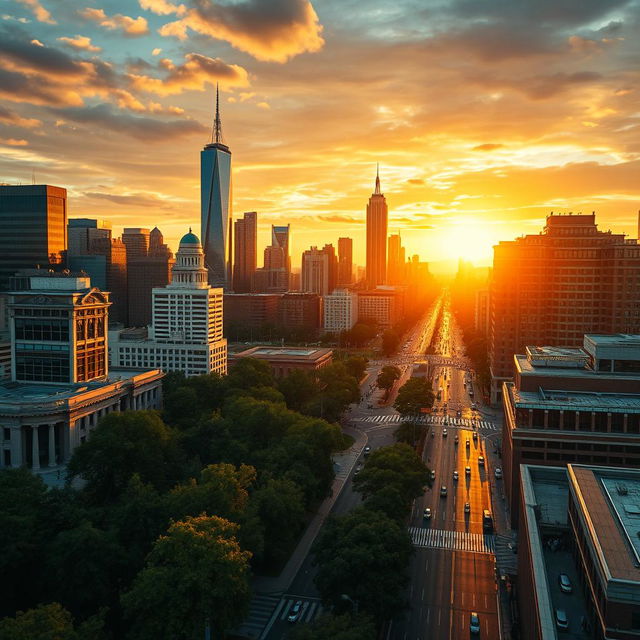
point(498, 473)
point(358, 469)
point(443, 491)
point(565, 583)
point(474, 623)
point(562, 622)
point(426, 514)
point(294, 614)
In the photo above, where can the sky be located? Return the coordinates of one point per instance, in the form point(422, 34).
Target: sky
point(485, 116)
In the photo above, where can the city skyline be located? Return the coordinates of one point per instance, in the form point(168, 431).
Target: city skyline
point(461, 171)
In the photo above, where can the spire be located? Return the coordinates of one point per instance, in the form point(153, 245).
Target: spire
point(377, 178)
point(216, 132)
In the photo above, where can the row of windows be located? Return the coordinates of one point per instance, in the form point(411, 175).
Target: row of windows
point(42, 369)
point(38, 313)
point(26, 346)
point(43, 330)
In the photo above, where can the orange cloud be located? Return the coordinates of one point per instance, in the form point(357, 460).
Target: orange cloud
point(12, 142)
point(162, 7)
point(129, 26)
point(80, 42)
point(193, 74)
point(275, 31)
point(11, 117)
point(40, 13)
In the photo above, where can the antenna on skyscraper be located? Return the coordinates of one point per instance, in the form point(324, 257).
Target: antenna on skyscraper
point(216, 133)
point(377, 178)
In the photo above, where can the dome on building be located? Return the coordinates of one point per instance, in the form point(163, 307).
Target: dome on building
point(190, 238)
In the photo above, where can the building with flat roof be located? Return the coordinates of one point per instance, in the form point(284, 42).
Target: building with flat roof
point(340, 310)
point(552, 288)
point(284, 360)
point(244, 312)
point(581, 521)
point(571, 405)
point(384, 305)
point(300, 312)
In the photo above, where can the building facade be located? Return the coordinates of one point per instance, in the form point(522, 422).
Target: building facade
point(315, 271)
point(187, 329)
point(384, 306)
point(33, 229)
point(396, 266)
point(244, 311)
point(377, 221)
point(570, 405)
point(345, 262)
point(552, 288)
point(340, 310)
point(215, 206)
point(81, 232)
point(284, 360)
point(300, 311)
point(245, 251)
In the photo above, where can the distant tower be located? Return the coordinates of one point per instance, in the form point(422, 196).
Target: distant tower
point(215, 205)
point(377, 216)
point(245, 238)
point(345, 261)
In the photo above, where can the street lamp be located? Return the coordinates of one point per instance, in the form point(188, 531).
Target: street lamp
point(354, 603)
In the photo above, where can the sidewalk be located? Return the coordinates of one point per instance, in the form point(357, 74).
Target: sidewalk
point(280, 584)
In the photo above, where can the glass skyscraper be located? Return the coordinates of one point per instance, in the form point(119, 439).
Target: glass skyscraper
point(215, 206)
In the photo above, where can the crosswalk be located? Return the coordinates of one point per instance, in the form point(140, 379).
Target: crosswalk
point(261, 609)
point(452, 540)
point(311, 608)
point(462, 423)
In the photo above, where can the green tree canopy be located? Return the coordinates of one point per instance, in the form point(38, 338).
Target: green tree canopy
point(390, 342)
point(250, 372)
point(363, 554)
point(413, 395)
point(356, 366)
point(410, 432)
point(336, 627)
point(124, 444)
point(388, 376)
point(195, 575)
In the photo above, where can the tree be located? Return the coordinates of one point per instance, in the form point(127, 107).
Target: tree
point(390, 342)
point(387, 377)
point(195, 575)
point(299, 388)
point(414, 395)
point(363, 554)
point(356, 366)
point(124, 444)
point(410, 432)
point(336, 627)
point(358, 335)
point(250, 372)
point(50, 622)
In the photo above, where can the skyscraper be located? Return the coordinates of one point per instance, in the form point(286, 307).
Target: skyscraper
point(136, 240)
point(377, 214)
point(345, 261)
point(315, 271)
point(552, 288)
point(81, 232)
point(280, 237)
point(33, 228)
point(215, 206)
point(245, 250)
point(396, 264)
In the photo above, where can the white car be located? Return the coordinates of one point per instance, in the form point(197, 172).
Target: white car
point(444, 433)
point(294, 614)
point(467, 471)
point(427, 514)
point(455, 475)
point(443, 491)
point(433, 474)
point(498, 473)
point(481, 461)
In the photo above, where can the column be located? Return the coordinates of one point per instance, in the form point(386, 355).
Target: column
point(35, 448)
point(16, 447)
point(68, 433)
point(52, 445)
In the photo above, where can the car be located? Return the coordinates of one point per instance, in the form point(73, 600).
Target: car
point(455, 475)
point(443, 491)
point(468, 443)
point(455, 440)
point(358, 470)
point(498, 473)
point(426, 514)
point(562, 622)
point(467, 507)
point(565, 583)
point(444, 433)
point(367, 451)
point(481, 461)
point(433, 474)
point(458, 413)
point(474, 406)
point(474, 623)
point(294, 614)
point(467, 471)
point(475, 436)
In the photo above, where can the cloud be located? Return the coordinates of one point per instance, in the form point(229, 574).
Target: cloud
point(487, 146)
point(12, 142)
point(40, 13)
point(130, 26)
point(415, 181)
point(11, 117)
point(272, 31)
point(102, 116)
point(341, 219)
point(80, 42)
point(156, 52)
point(162, 7)
point(131, 199)
point(192, 75)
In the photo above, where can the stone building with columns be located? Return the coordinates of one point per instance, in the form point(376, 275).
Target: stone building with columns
point(61, 384)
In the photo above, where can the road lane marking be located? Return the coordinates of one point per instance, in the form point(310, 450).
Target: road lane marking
point(452, 540)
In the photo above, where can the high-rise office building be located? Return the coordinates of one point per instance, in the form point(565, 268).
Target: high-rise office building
point(115, 255)
point(315, 271)
point(144, 272)
point(340, 310)
point(396, 266)
point(274, 275)
point(377, 215)
point(136, 240)
point(245, 250)
point(81, 232)
point(33, 228)
point(333, 266)
point(345, 261)
point(215, 206)
point(187, 329)
point(552, 288)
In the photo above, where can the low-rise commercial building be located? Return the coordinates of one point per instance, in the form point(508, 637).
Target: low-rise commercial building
point(284, 360)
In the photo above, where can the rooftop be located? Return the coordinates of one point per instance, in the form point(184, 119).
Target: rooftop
point(609, 503)
point(285, 353)
point(578, 400)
